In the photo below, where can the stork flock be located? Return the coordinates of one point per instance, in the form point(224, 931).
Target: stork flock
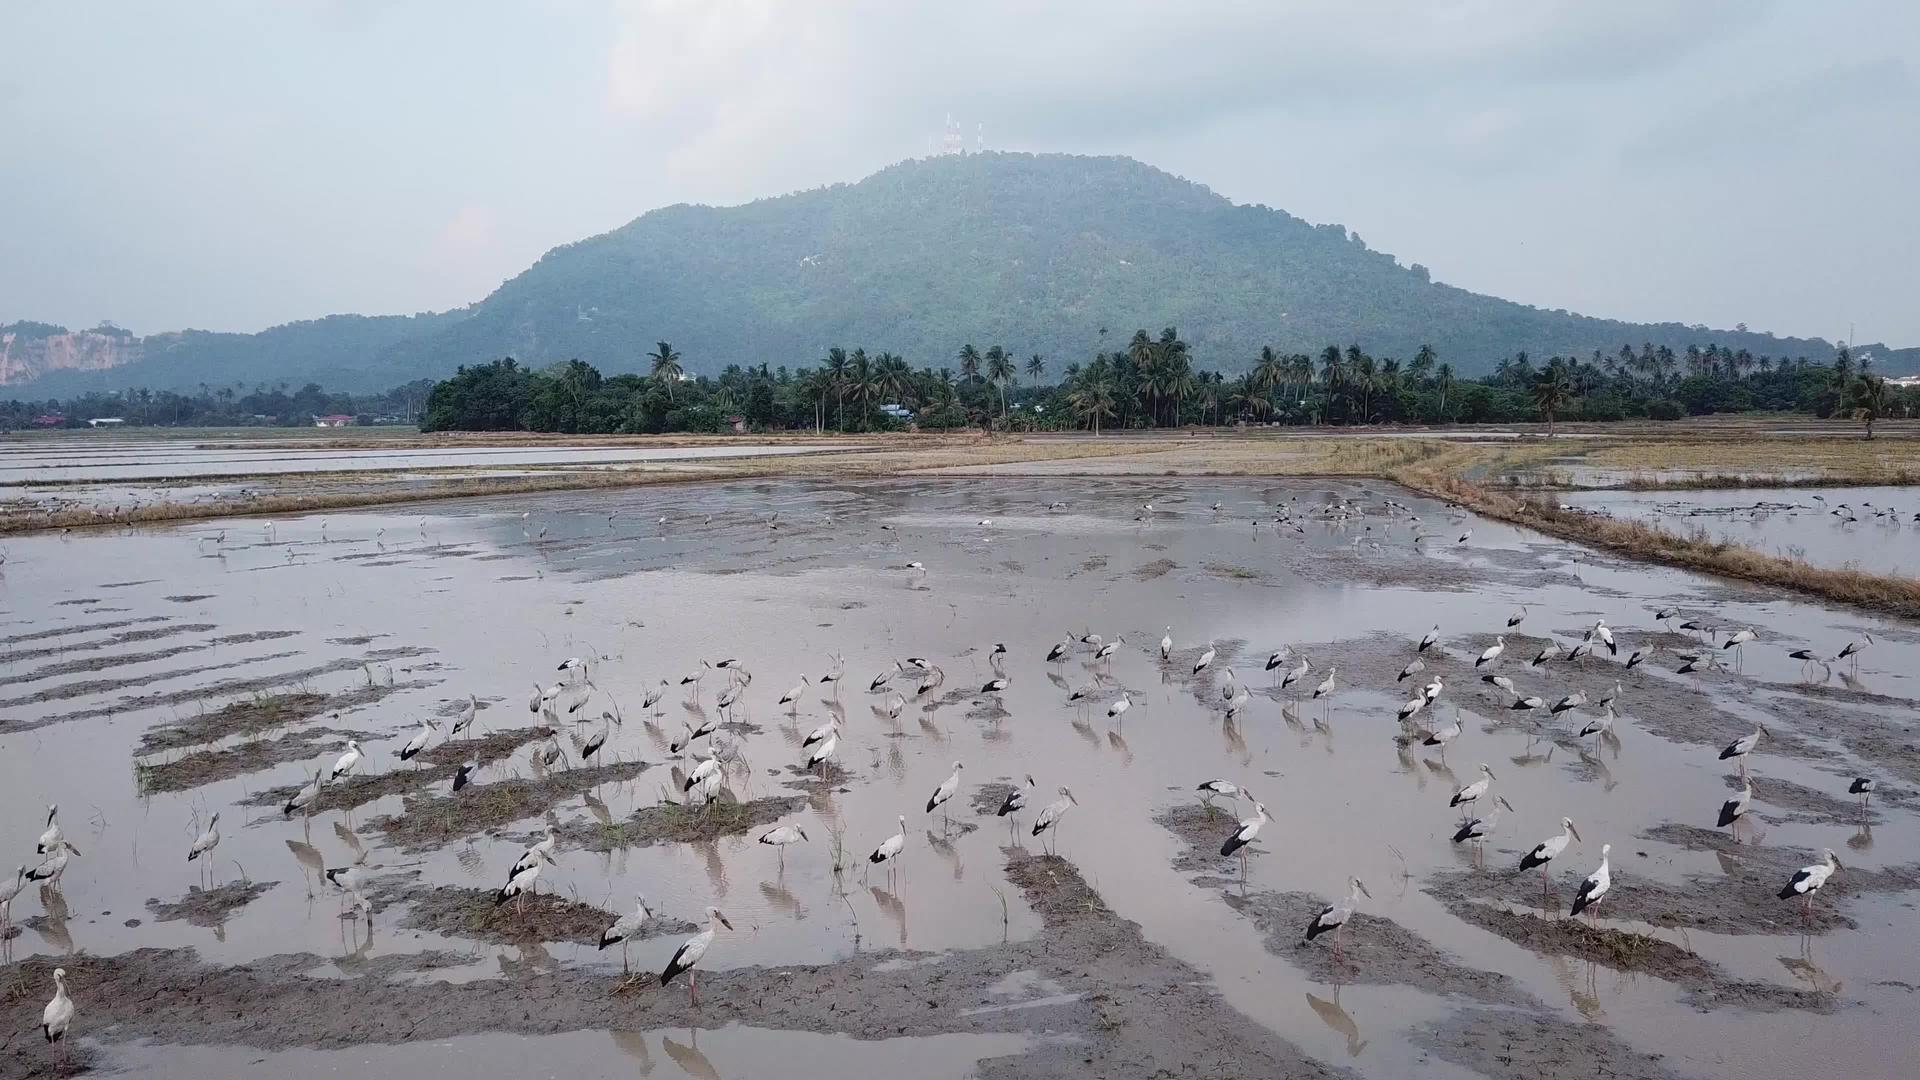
point(701, 783)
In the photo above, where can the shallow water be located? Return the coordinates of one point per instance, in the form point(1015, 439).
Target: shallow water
point(779, 573)
point(135, 460)
point(1799, 523)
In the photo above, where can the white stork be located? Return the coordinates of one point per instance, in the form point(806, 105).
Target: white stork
point(1166, 644)
point(1432, 639)
point(791, 698)
point(305, 797)
point(1550, 849)
point(57, 1017)
point(207, 840)
point(346, 762)
point(690, 952)
point(1738, 749)
point(945, 791)
point(418, 742)
point(1049, 818)
point(1492, 652)
point(1735, 808)
point(1334, 917)
point(1206, 658)
point(1245, 832)
point(1517, 617)
point(52, 836)
point(1810, 879)
point(1469, 793)
point(1119, 708)
point(1594, 888)
point(890, 848)
point(624, 928)
point(780, 837)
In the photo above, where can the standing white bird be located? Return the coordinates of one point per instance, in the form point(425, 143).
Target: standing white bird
point(1432, 690)
point(1049, 818)
point(1604, 636)
point(1412, 669)
point(418, 742)
point(1325, 688)
point(1245, 832)
point(1739, 748)
point(1738, 638)
point(305, 797)
point(1862, 786)
point(792, 697)
point(625, 927)
point(519, 886)
point(1296, 673)
point(1105, 652)
point(54, 864)
point(690, 952)
point(346, 762)
point(890, 848)
point(1811, 879)
point(1445, 733)
point(572, 664)
point(1228, 687)
point(945, 791)
point(1570, 702)
point(1594, 888)
point(780, 836)
point(465, 720)
point(1853, 649)
point(1016, 799)
point(707, 769)
point(207, 841)
point(1479, 828)
point(1206, 658)
point(1432, 638)
point(1212, 788)
point(654, 695)
point(57, 1017)
point(823, 751)
point(1550, 849)
point(1166, 644)
point(539, 851)
point(1063, 649)
point(1334, 917)
point(1119, 708)
point(1517, 617)
point(1639, 656)
point(52, 835)
point(1735, 808)
point(1601, 726)
point(1465, 536)
point(9, 890)
point(1469, 793)
point(1492, 652)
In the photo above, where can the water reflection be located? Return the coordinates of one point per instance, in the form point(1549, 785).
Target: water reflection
point(1334, 1016)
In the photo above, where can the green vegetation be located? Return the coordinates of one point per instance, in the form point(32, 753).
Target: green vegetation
point(1051, 251)
point(226, 406)
point(1151, 382)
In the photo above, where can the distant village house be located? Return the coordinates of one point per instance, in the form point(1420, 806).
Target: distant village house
point(338, 420)
point(106, 421)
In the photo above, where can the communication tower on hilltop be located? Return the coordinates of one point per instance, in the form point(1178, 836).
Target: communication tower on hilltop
point(954, 142)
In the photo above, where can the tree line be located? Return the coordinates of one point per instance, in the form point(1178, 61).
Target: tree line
point(1151, 382)
point(224, 406)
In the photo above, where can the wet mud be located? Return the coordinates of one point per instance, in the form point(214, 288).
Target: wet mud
point(128, 637)
point(1522, 1045)
point(472, 913)
point(209, 907)
point(678, 823)
point(1707, 986)
point(212, 766)
point(478, 808)
point(1127, 1009)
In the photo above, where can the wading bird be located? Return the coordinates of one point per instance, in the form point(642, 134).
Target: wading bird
point(53, 834)
point(207, 840)
point(1119, 708)
point(791, 698)
point(889, 850)
point(346, 762)
point(1639, 656)
point(519, 886)
point(1334, 917)
point(1217, 787)
point(1206, 658)
point(418, 742)
point(1478, 829)
point(1500, 681)
point(1862, 786)
point(1245, 832)
point(1603, 635)
point(624, 928)
point(9, 890)
point(1810, 879)
point(1569, 703)
point(305, 797)
point(1517, 617)
point(1853, 649)
point(690, 952)
point(54, 864)
point(780, 837)
point(539, 851)
point(1738, 749)
point(1412, 669)
point(1467, 794)
point(57, 1017)
point(1594, 888)
point(1296, 673)
point(1600, 726)
point(1166, 644)
point(1735, 808)
point(1444, 734)
point(1432, 638)
point(945, 791)
point(1016, 799)
point(1049, 818)
point(1550, 849)
point(1492, 652)
point(1063, 649)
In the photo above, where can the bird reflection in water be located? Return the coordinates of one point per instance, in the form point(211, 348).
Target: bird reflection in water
point(893, 907)
point(688, 1056)
point(1334, 1016)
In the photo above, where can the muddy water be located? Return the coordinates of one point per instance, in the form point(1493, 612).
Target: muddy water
point(1802, 523)
point(136, 460)
point(385, 620)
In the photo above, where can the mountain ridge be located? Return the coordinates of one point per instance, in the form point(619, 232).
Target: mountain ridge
point(1035, 252)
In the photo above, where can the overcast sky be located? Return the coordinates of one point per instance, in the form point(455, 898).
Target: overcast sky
point(230, 164)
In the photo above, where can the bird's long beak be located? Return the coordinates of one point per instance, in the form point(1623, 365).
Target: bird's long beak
point(1576, 834)
point(1363, 888)
point(1837, 862)
point(723, 921)
point(1490, 773)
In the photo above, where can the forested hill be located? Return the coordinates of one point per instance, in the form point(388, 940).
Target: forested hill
point(1035, 252)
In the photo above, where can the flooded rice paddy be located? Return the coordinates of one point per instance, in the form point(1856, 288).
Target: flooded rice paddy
point(1867, 528)
point(151, 678)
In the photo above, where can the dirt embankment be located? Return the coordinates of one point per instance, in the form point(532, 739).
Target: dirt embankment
point(210, 907)
point(429, 823)
point(677, 823)
point(472, 913)
point(1130, 1010)
point(211, 766)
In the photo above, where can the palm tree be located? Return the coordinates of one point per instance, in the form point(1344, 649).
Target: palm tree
point(1552, 392)
point(1000, 371)
point(666, 365)
point(1036, 368)
point(1872, 399)
point(1443, 379)
point(836, 369)
point(969, 363)
point(860, 381)
point(1093, 399)
point(1421, 367)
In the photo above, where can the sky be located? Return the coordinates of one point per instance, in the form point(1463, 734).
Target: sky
point(233, 164)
